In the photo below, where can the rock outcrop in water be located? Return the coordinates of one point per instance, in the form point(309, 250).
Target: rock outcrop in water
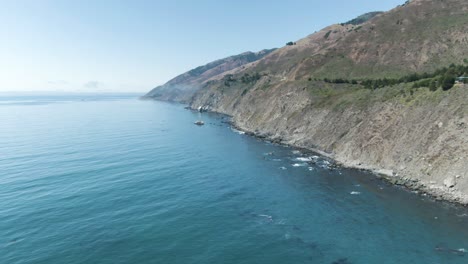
point(417, 137)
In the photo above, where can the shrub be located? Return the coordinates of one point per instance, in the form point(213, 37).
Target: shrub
point(247, 78)
point(433, 86)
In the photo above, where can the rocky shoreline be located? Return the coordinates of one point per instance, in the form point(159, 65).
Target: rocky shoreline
point(420, 143)
point(446, 190)
point(414, 185)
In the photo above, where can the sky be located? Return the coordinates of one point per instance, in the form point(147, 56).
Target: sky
point(135, 45)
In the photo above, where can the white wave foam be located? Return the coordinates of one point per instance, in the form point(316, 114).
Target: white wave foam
point(237, 131)
point(299, 164)
point(304, 159)
point(355, 193)
point(269, 217)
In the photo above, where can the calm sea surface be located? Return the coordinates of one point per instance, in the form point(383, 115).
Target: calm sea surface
point(107, 180)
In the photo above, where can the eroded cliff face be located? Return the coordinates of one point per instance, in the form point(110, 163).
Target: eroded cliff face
point(417, 139)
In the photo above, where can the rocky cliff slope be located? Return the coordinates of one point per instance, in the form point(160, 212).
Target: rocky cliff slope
point(409, 129)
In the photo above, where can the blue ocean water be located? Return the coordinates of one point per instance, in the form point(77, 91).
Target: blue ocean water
point(108, 180)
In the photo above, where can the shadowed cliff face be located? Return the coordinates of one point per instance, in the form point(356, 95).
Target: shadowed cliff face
point(417, 137)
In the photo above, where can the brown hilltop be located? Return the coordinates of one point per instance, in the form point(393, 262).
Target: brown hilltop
point(421, 36)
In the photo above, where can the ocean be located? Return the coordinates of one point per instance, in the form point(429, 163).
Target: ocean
point(113, 179)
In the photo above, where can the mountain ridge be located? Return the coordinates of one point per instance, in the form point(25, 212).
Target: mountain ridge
point(183, 86)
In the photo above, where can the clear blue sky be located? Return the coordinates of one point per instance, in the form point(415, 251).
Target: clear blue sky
point(132, 46)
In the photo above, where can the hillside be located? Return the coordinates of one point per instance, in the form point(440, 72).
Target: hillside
point(418, 37)
point(389, 112)
point(182, 87)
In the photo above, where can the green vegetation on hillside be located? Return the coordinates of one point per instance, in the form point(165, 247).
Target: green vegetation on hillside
point(245, 79)
point(444, 77)
point(228, 79)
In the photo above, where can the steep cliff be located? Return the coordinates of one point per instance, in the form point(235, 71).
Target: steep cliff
point(415, 134)
point(418, 138)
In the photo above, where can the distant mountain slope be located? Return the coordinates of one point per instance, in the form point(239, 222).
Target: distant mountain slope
point(182, 87)
point(362, 18)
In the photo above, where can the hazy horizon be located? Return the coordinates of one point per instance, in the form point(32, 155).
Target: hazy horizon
point(60, 93)
point(119, 46)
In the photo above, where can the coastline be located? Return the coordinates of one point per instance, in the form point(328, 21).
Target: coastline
point(436, 193)
point(411, 184)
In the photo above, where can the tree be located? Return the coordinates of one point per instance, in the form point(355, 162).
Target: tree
point(448, 82)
